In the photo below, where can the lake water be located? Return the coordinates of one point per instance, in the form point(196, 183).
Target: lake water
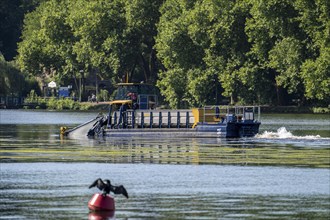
point(282, 173)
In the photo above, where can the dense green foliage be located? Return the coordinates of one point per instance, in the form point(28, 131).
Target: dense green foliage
point(114, 37)
point(12, 81)
point(11, 22)
point(197, 52)
point(258, 50)
point(33, 101)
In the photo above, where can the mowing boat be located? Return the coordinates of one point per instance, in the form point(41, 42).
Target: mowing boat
point(134, 113)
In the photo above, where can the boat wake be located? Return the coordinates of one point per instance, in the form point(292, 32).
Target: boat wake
point(282, 133)
point(282, 136)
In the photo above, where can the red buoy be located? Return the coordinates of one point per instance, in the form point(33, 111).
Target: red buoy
point(100, 202)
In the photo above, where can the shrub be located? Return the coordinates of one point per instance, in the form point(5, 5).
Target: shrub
point(32, 97)
point(85, 106)
point(321, 110)
point(103, 95)
point(54, 103)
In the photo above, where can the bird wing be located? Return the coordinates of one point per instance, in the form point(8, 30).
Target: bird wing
point(98, 183)
point(120, 190)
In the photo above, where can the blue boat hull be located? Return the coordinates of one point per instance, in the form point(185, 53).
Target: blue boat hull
point(232, 129)
point(228, 130)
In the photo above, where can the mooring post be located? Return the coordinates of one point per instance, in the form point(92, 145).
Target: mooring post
point(169, 119)
point(133, 119)
point(178, 119)
point(115, 118)
point(187, 119)
point(142, 119)
point(109, 118)
point(160, 119)
point(151, 119)
point(125, 119)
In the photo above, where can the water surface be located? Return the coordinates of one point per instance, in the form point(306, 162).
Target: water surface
point(282, 173)
point(59, 190)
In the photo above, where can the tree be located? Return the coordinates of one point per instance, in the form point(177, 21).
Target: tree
point(173, 87)
point(96, 27)
point(286, 58)
point(227, 52)
point(142, 17)
point(46, 45)
point(250, 51)
point(206, 40)
point(11, 17)
point(177, 52)
point(11, 22)
point(290, 39)
point(272, 29)
point(11, 79)
point(114, 37)
point(316, 75)
point(314, 17)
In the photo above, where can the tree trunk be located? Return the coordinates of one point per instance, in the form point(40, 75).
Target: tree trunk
point(145, 67)
point(152, 64)
point(278, 95)
point(233, 98)
point(132, 70)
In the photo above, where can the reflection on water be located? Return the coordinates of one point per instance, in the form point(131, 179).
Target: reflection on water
point(275, 175)
point(37, 143)
point(101, 215)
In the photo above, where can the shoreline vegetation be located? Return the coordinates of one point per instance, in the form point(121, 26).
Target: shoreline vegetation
point(70, 104)
point(33, 101)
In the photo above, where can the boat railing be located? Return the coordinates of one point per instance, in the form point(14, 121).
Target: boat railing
point(184, 118)
point(151, 119)
point(219, 113)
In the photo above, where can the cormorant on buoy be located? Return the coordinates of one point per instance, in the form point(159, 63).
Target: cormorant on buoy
point(106, 187)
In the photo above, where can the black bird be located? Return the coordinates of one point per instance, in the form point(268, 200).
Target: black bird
point(106, 187)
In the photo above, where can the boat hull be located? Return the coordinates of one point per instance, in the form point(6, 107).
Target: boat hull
point(228, 130)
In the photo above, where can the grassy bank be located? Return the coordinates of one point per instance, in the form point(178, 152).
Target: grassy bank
point(69, 104)
point(63, 104)
point(295, 109)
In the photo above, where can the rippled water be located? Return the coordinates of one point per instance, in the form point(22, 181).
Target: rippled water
point(59, 190)
point(283, 173)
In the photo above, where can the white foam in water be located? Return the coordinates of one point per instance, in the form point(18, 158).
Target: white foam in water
point(282, 133)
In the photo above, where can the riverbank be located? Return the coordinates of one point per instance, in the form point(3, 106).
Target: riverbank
point(295, 109)
point(264, 109)
point(67, 104)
